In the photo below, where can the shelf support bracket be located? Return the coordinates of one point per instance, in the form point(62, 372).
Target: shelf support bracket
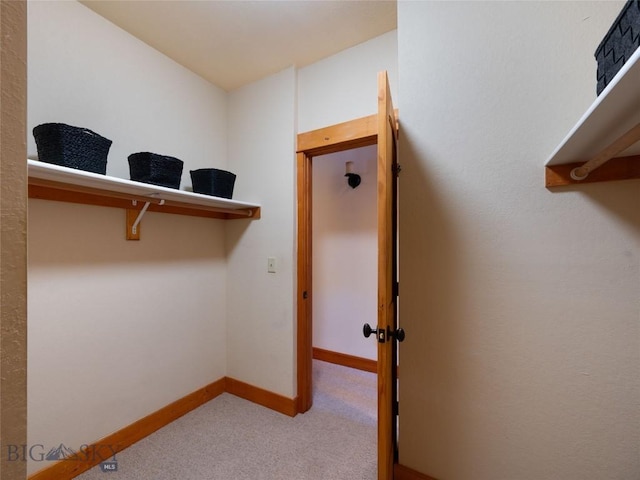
point(134, 217)
point(621, 144)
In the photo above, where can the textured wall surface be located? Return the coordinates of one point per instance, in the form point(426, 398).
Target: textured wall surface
point(521, 305)
point(13, 235)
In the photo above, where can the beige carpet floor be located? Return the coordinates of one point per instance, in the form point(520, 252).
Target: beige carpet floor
point(230, 438)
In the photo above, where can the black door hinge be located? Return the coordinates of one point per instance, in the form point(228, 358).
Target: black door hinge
point(396, 289)
point(396, 168)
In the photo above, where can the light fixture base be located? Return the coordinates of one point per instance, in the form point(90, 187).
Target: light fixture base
point(353, 179)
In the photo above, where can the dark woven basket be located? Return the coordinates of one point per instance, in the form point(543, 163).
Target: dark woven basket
point(619, 44)
point(72, 147)
point(155, 169)
point(211, 181)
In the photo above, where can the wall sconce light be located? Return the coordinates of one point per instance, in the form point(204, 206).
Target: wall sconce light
point(353, 179)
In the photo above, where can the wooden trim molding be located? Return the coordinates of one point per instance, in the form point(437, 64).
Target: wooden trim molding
point(400, 472)
point(620, 168)
point(360, 132)
point(110, 445)
point(115, 200)
point(274, 401)
point(104, 449)
point(346, 360)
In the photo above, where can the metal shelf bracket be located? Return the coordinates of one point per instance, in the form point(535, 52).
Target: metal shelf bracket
point(134, 217)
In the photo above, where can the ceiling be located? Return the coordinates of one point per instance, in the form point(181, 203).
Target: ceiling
point(234, 42)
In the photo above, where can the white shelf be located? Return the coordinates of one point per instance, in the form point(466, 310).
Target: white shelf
point(614, 112)
point(67, 184)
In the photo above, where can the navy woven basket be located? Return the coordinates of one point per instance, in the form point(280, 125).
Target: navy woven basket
point(211, 181)
point(155, 169)
point(72, 147)
point(619, 44)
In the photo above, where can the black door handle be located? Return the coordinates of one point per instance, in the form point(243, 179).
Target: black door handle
point(367, 330)
point(381, 334)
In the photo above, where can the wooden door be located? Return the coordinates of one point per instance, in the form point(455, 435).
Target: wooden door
point(380, 129)
point(387, 279)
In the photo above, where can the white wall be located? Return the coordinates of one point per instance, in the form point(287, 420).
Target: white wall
point(260, 320)
point(85, 71)
point(345, 258)
point(192, 301)
point(119, 329)
point(520, 304)
point(263, 120)
point(344, 86)
point(337, 89)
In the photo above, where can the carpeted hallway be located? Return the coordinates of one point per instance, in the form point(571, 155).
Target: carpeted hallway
point(232, 439)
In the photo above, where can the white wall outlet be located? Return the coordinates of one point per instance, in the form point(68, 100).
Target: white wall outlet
point(271, 264)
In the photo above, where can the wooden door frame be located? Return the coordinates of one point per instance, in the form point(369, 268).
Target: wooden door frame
point(357, 133)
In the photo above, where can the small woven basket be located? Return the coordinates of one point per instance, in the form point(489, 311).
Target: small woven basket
point(72, 147)
point(619, 44)
point(211, 181)
point(155, 169)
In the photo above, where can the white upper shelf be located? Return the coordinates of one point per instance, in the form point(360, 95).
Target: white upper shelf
point(615, 111)
point(70, 176)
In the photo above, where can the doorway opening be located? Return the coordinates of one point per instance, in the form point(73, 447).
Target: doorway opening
point(344, 258)
point(331, 140)
point(344, 277)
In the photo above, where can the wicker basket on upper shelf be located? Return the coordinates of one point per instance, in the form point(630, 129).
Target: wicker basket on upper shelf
point(212, 181)
point(155, 169)
point(619, 44)
point(72, 147)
